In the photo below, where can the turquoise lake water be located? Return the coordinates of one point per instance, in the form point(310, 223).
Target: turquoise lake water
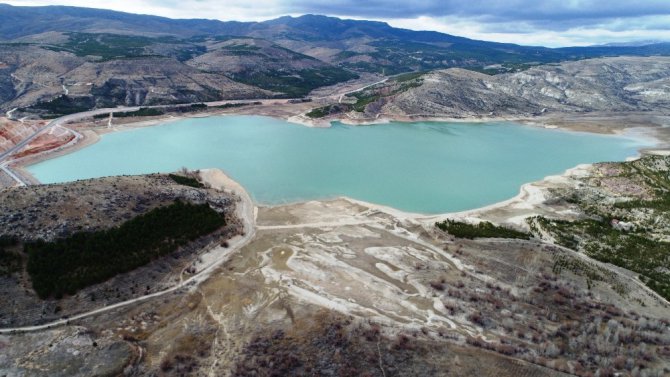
point(419, 167)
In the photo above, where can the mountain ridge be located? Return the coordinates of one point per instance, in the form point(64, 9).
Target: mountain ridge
point(189, 27)
point(115, 46)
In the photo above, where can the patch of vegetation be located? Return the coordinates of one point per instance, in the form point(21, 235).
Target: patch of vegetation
point(142, 112)
point(105, 46)
point(15, 44)
point(243, 52)
point(64, 105)
point(642, 248)
point(364, 100)
point(188, 349)
point(346, 55)
point(631, 250)
point(242, 46)
point(111, 94)
point(405, 77)
point(398, 55)
point(320, 112)
point(188, 52)
point(295, 84)
point(394, 56)
point(496, 69)
point(324, 111)
point(482, 230)
point(662, 203)
point(373, 68)
point(242, 49)
point(152, 111)
point(577, 267)
point(397, 85)
point(10, 261)
point(233, 105)
point(66, 265)
point(186, 181)
point(198, 106)
point(330, 345)
point(589, 271)
point(108, 46)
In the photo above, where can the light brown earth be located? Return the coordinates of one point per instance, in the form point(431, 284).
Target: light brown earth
point(341, 287)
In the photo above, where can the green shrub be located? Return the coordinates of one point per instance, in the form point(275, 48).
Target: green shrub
point(186, 181)
point(482, 230)
point(64, 105)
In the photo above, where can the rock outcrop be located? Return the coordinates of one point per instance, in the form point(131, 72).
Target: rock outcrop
point(619, 84)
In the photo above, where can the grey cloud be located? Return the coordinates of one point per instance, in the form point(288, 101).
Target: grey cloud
point(553, 15)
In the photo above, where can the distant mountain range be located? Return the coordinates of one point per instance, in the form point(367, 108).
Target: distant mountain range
point(633, 43)
point(97, 52)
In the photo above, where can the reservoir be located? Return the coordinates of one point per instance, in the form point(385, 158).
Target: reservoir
point(424, 167)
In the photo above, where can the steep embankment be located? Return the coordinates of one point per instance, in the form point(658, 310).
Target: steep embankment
point(13, 132)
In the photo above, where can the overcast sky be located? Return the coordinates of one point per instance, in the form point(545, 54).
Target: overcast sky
point(531, 22)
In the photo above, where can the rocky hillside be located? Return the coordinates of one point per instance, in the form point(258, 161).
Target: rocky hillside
point(337, 288)
point(102, 70)
point(267, 65)
point(604, 85)
point(33, 74)
point(106, 58)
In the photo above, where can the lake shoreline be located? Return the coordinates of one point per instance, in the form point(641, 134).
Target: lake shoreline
point(528, 195)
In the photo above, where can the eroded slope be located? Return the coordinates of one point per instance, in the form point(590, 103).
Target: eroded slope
point(615, 85)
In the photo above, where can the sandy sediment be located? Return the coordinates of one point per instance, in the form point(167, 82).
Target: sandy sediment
point(219, 180)
point(528, 203)
point(306, 121)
